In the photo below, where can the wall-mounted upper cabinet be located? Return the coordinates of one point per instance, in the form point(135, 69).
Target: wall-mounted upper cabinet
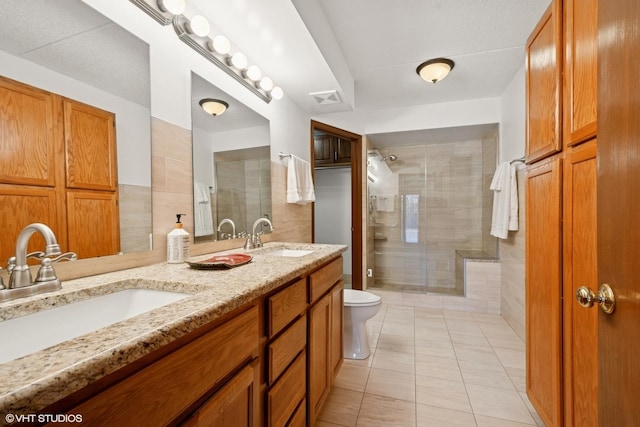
point(331, 151)
point(543, 86)
point(580, 70)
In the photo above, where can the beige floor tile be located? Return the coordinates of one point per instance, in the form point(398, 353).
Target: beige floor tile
point(352, 377)
point(405, 329)
point(498, 403)
point(396, 343)
point(464, 325)
point(383, 411)
point(518, 377)
point(438, 367)
point(399, 314)
point(506, 341)
point(435, 347)
point(442, 393)
point(395, 385)
point(342, 407)
point(511, 358)
point(496, 422)
point(532, 410)
point(394, 361)
point(485, 374)
point(431, 416)
point(464, 337)
point(474, 353)
point(432, 333)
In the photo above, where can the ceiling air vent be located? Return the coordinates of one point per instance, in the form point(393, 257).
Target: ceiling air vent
point(327, 97)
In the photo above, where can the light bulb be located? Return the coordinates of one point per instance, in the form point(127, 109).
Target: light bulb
point(174, 7)
point(239, 60)
point(266, 84)
point(253, 72)
point(220, 44)
point(199, 26)
point(277, 93)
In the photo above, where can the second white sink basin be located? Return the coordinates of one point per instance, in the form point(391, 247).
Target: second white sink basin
point(289, 252)
point(27, 334)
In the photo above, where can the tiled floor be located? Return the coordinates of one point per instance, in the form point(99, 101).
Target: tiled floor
point(431, 367)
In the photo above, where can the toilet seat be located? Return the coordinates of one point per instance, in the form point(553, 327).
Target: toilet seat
point(356, 298)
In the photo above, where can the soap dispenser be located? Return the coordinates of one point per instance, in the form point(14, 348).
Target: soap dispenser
point(177, 243)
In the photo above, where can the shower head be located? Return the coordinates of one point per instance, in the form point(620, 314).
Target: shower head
point(390, 157)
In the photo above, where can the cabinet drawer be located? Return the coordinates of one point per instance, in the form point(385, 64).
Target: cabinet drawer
point(285, 306)
point(323, 279)
point(159, 393)
point(299, 418)
point(285, 348)
point(286, 394)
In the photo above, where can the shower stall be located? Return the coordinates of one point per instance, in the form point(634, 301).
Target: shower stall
point(427, 204)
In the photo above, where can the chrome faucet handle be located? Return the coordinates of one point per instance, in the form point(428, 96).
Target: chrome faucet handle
point(249, 243)
point(258, 240)
point(69, 256)
point(11, 264)
point(1, 282)
point(39, 255)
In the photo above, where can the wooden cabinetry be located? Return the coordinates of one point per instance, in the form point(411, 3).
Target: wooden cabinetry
point(561, 217)
point(164, 391)
point(58, 167)
point(331, 150)
point(325, 334)
point(543, 85)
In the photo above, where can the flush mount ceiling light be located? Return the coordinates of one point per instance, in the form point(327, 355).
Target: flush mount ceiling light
point(435, 70)
point(194, 29)
point(215, 107)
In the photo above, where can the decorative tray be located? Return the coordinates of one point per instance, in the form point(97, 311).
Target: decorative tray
point(221, 262)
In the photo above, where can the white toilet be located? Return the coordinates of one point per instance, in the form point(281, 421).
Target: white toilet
point(359, 306)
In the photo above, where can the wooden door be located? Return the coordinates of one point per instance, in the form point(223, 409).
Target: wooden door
point(543, 85)
point(580, 269)
point(90, 145)
point(544, 289)
point(619, 210)
point(319, 382)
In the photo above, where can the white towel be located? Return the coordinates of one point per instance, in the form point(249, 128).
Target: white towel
point(505, 201)
point(202, 216)
point(299, 182)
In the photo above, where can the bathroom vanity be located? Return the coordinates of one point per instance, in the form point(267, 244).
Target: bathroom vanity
point(258, 344)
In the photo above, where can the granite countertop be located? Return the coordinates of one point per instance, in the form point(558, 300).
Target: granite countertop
point(32, 382)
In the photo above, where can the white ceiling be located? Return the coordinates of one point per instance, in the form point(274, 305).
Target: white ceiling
point(366, 50)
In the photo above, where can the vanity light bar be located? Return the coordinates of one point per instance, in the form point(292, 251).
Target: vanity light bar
point(216, 50)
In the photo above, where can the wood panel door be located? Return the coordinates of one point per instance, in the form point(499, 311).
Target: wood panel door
point(580, 269)
point(94, 228)
point(619, 210)
point(544, 289)
point(90, 145)
point(580, 70)
point(543, 86)
point(30, 138)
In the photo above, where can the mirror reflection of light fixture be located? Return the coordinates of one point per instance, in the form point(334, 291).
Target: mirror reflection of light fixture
point(435, 70)
point(215, 107)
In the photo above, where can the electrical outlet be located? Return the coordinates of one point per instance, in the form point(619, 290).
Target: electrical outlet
point(369, 272)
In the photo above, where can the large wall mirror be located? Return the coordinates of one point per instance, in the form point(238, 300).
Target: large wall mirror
point(231, 166)
point(67, 48)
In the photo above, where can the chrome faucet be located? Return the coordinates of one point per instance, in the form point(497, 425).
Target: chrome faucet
point(21, 283)
point(254, 240)
point(233, 227)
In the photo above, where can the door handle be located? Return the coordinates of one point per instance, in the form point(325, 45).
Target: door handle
point(605, 298)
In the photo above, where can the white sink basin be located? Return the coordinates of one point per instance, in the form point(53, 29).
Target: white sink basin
point(27, 334)
point(289, 252)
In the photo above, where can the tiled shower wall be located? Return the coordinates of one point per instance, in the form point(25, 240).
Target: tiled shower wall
point(454, 214)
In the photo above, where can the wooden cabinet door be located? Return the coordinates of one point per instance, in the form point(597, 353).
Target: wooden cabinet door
point(90, 144)
point(94, 228)
point(319, 380)
point(29, 135)
point(337, 325)
point(343, 151)
point(580, 269)
point(20, 207)
point(323, 149)
point(234, 404)
point(543, 86)
point(544, 289)
point(580, 70)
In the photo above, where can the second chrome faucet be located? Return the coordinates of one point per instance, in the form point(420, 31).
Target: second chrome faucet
point(253, 239)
